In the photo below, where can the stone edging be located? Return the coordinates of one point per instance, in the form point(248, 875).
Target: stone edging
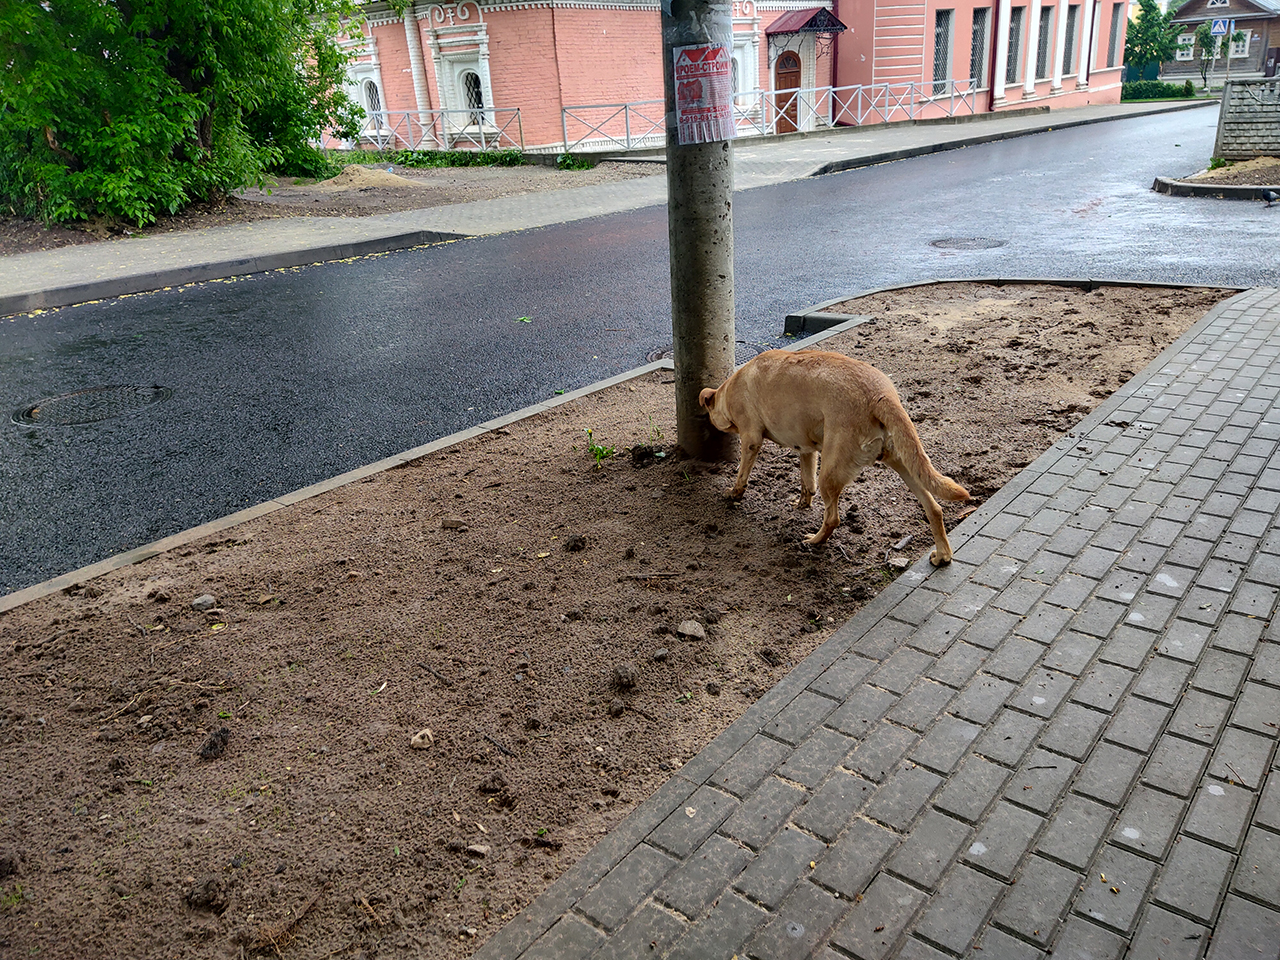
point(52, 299)
point(816, 319)
point(1222, 191)
point(838, 324)
point(147, 551)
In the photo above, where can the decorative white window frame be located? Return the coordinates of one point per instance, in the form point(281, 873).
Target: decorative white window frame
point(362, 71)
point(458, 39)
point(1240, 48)
point(1186, 47)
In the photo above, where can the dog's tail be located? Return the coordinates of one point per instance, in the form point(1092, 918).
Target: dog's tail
point(904, 443)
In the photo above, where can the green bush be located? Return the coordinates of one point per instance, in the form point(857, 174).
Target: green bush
point(452, 158)
point(134, 110)
point(573, 161)
point(1156, 90)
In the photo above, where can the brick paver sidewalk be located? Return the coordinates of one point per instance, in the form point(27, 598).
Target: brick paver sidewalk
point(1062, 741)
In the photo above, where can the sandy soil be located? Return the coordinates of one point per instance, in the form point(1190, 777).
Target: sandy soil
point(380, 722)
point(1258, 172)
point(356, 192)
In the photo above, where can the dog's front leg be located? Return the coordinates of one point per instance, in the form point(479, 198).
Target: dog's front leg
point(808, 478)
point(751, 444)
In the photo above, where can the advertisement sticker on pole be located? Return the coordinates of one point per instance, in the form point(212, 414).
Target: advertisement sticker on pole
point(704, 93)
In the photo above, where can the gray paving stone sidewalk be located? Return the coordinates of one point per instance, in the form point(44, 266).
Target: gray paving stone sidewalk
point(1063, 742)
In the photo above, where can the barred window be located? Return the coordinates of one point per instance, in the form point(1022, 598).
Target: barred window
point(941, 51)
point(1113, 42)
point(978, 48)
point(1015, 44)
point(1069, 48)
point(1042, 51)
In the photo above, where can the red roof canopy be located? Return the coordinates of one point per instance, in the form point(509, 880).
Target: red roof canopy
point(812, 20)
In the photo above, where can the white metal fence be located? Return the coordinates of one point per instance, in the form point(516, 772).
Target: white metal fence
point(488, 128)
point(629, 126)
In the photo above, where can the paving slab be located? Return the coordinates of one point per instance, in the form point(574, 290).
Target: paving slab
point(987, 758)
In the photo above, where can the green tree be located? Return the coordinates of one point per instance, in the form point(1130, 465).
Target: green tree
point(133, 108)
point(1152, 38)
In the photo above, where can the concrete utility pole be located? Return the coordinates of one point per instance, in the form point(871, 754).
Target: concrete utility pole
point(697, 49)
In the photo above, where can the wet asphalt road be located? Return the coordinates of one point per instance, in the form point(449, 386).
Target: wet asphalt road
point(283, 379)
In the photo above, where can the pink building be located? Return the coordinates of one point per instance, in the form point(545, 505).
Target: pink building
point(585, 74)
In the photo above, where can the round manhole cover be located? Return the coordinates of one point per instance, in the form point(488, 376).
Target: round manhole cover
point(967, 243)
point(743, 352)
point(90, 406)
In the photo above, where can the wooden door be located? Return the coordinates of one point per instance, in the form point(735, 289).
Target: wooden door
point(786, 84)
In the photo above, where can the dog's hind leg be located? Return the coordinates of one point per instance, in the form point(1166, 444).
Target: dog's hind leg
point(808, 478)
point(941, 545)
point(750, 449)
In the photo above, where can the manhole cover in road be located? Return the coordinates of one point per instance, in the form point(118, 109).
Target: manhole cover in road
point(90, 406)
point(743, 352)
point(967, 243)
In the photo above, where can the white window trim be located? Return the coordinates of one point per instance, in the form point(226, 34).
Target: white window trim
point(454, 51)
point(1186, 45)
point(363, 71)
point(1239, 49)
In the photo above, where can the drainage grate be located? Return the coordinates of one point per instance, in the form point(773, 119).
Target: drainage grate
point(743, 352)
point(967, 243)
point(90, 406)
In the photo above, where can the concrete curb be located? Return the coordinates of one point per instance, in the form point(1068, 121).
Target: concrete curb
point(147, 551)
point(816, 319)
point(834, 324)
point(1222, 191)
point(215, 270)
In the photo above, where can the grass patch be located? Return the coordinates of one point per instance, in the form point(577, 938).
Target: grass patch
point(457, 158)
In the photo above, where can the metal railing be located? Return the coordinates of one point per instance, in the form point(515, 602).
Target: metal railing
point(489, 128)
point(610, 126)
point(629, 126)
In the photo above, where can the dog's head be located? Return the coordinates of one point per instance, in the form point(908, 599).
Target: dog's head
point(711, 401)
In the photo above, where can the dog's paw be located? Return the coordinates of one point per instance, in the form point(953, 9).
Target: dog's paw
point(802, 502)
point(934, 559)
point(736, 494)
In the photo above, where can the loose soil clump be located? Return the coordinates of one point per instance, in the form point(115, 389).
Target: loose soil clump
point(1258, 172)
point(398, 711)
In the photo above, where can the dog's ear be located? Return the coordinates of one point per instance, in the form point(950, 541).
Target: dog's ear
point(707, 398)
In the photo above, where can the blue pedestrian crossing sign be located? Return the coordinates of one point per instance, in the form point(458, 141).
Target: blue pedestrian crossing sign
point(1219, 28)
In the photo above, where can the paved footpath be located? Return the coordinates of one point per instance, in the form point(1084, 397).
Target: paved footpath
point(1059, 743)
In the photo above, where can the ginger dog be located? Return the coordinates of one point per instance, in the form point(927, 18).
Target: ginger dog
point(815, 401)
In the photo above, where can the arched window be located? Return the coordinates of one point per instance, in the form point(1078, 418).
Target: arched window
point(372, 98)
point(475, 96)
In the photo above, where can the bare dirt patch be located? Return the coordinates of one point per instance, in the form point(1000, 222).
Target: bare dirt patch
point(381, 721)
point(1258, 172)
point(358, 191)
